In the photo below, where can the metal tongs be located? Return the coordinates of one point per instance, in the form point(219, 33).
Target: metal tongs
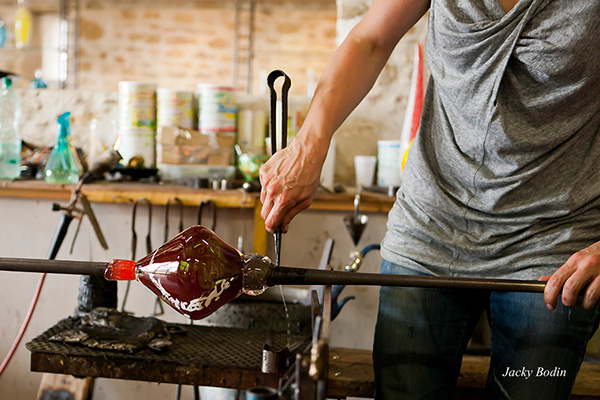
point(287, 83)
point(72, 211)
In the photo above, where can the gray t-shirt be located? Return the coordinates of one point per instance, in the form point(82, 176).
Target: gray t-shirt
point(503, 179)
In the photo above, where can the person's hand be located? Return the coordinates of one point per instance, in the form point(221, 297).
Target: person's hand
point(581, 268)
point(289, 181)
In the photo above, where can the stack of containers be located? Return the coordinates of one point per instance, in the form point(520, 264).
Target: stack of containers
point(137, 123)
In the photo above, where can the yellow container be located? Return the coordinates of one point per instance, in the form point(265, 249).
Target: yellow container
point(23, 26)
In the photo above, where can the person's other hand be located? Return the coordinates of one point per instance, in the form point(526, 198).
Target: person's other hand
point(289, 182)
point(580, 269)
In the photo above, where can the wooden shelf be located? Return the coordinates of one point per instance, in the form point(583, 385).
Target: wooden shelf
point(160, 193)
point(126, 193)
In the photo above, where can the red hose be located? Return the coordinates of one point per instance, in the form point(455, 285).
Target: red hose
point(21, 333)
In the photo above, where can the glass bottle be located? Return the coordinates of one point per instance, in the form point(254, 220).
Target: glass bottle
point(10, 138)
point(196, 272)
point(61, 166)
point(23, 26)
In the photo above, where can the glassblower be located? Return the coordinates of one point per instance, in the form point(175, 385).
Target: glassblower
point(196, 272)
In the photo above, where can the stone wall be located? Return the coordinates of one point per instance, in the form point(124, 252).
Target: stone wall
point(381, 114)
point(180, 44)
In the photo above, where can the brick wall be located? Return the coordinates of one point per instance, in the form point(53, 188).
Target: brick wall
point(179, 47)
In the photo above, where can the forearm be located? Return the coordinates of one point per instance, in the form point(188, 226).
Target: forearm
point(355, 66)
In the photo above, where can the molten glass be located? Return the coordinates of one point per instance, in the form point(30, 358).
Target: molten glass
point(196, 272)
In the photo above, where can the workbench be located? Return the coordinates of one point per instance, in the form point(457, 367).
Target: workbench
point(231, 358)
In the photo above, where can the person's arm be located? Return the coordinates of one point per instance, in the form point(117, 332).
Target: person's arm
point(291, 177)
point(580, 269)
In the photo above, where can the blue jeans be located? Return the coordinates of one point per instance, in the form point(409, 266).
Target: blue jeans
point(421, 335)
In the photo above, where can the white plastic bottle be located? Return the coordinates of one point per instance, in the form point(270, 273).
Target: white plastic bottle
point(10, 138)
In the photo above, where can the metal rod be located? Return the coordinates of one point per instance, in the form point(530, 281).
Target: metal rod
point(299, 276)
point(92, 268)
point(302, 276)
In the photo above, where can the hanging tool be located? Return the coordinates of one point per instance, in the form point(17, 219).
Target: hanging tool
point(285, 88)
point(180, 209)
point(212, 209)
point(356, 223)
point(134, 237)
point(157, 302)
point(356, 259)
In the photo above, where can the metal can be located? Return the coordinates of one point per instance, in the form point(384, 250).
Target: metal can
point(137, 122)
point(175, 108)
point(217, 108)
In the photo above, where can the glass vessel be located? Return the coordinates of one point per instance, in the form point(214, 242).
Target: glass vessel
point(196, 272)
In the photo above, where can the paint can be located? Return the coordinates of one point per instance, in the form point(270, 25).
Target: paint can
point(175, 108)
point(137, 122)
point(217, 108)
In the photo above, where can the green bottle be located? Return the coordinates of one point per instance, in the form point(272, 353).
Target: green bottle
point(61, 166)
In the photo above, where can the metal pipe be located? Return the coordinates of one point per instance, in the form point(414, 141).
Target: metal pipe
point(299, 276)
point(302, 276)
point(92, 268)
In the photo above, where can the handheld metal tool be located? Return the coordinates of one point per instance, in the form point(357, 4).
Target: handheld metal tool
point(285, 88)
point(134, 237)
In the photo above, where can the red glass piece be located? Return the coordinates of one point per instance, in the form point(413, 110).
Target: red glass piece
point(120, 270)
point(196, 272)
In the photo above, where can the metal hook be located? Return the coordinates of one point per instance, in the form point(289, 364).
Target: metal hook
point(134, 238)
point(356, 206)
point(212, 209)
point(180, 207)
point(133, 233)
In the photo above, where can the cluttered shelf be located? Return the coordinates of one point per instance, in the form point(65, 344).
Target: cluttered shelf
point(161, 193)
point(112, 192)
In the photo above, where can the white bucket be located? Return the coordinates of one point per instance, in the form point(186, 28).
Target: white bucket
point(389, 158)
point(137, 121)
point(138, 143)
point(217, 108)
point(175, 108)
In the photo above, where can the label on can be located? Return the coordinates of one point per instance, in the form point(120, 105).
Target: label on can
point(137, 105)
point(175, 108)
point(137, 121)
point(217, 108)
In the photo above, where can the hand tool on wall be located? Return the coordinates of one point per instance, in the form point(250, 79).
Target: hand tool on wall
point(158, 307)
point(179, 203)
point(356, 259)
point(134, 237)
point(97, 170)
point(285, 88)
point(356, 223)
point(211, 206)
